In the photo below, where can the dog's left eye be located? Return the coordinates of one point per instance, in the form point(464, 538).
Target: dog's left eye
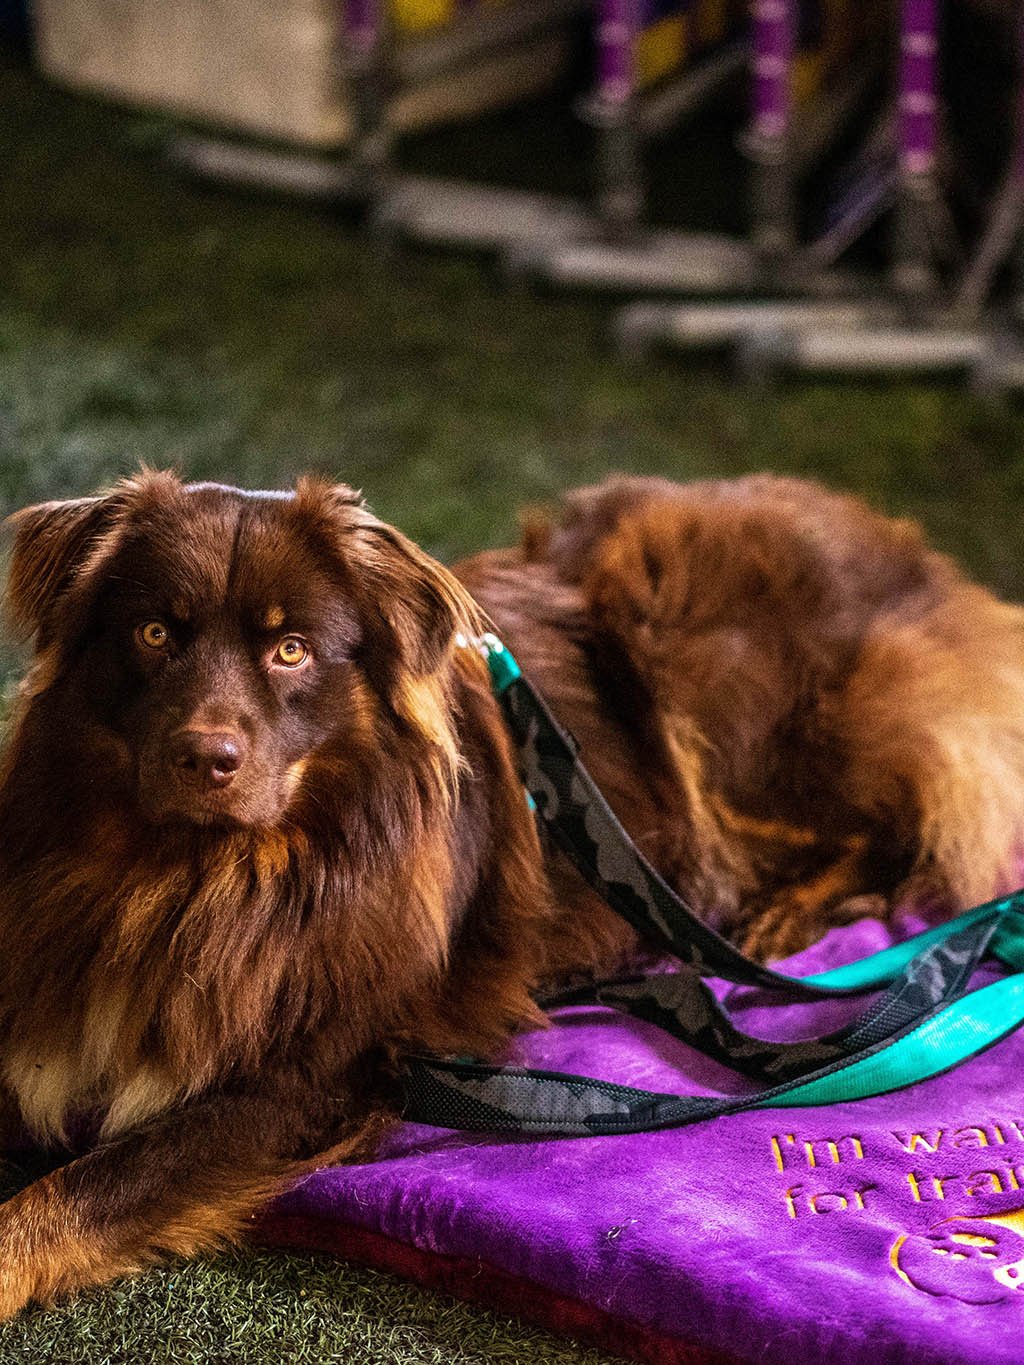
point(291, 652)
point(153, 634)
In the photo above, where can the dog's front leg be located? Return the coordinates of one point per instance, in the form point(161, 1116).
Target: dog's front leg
point(184, 1183)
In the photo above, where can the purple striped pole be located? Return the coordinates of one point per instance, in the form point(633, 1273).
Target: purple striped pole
point(619, 179)
point(918, 98)
point(364, 44)
point(362, 26)
point(1017, 173)
point(774, 42)
point(1018, 149)
point(362, 22)
point(921, 220)
point(617, 33)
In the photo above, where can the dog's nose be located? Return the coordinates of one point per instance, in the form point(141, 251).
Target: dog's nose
point(207, 758)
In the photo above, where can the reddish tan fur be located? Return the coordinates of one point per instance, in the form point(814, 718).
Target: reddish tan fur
point(217, 1003)
point(794, 705)
point(791, 701)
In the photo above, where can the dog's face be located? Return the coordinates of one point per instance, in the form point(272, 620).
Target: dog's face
point(211, 642)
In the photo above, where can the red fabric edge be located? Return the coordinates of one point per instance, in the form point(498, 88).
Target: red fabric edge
point(474, 1280)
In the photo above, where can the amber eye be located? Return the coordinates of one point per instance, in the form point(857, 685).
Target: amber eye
point(154, 634)
point(291, 652)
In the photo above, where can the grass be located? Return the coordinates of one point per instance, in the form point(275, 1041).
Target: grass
point(146, 318)
point(256, 1307)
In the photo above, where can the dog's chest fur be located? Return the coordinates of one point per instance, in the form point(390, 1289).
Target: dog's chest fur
point(148, 981)
point(98, 1080)
point(136, 996)
point(120, 1042)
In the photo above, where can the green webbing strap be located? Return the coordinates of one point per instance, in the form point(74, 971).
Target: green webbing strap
point(920, 1024)
point(876, 970)
point(493, 1099)
point(958, 1032)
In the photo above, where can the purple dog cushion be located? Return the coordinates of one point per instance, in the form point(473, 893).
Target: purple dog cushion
point(886, 1230)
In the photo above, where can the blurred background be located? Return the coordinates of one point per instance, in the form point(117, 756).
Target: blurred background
point(466, 253)
point(250, 239)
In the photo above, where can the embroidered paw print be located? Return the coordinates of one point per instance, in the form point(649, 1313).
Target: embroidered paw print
point(969, 1258)
point(965, 1246)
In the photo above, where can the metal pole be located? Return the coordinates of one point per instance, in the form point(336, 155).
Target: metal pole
point(619, 187)
point(774, 28)
point(364, 40)
point(913, 266)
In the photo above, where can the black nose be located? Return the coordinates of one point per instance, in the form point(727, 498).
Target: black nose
point(207, 758)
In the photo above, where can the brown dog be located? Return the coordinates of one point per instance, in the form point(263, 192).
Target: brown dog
point(261, 830)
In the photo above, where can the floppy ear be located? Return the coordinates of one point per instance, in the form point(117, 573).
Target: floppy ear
point(52, 541)
point(410, 596)
point(410, 605)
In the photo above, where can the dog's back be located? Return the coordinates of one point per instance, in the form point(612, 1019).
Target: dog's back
point(794, 704)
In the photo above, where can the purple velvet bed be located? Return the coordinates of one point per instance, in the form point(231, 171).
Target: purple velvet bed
point(887, 1230)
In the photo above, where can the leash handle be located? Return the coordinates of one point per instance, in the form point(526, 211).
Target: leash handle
point(461, 1095)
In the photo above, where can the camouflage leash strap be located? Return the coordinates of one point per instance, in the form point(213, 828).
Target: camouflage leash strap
point(920, 1021)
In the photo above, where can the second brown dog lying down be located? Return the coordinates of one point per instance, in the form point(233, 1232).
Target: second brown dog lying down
point(261, 830)
point(800, 711)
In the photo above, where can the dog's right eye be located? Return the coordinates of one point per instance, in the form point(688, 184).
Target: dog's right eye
point(153, 634)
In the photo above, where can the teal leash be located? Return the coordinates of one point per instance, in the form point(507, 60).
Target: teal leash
point(924, 1020)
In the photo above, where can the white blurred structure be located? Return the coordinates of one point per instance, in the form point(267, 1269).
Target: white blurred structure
point(275, 68)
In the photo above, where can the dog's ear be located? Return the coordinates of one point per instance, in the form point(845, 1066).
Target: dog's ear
point(411, 606)
point(52, 541)
point(58, 545)
point(420, 605)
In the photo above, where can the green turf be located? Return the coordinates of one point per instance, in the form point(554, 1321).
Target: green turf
point(145, 318)
point(303, 1310)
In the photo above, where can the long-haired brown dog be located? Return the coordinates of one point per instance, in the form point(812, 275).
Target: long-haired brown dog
point(261, 830)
